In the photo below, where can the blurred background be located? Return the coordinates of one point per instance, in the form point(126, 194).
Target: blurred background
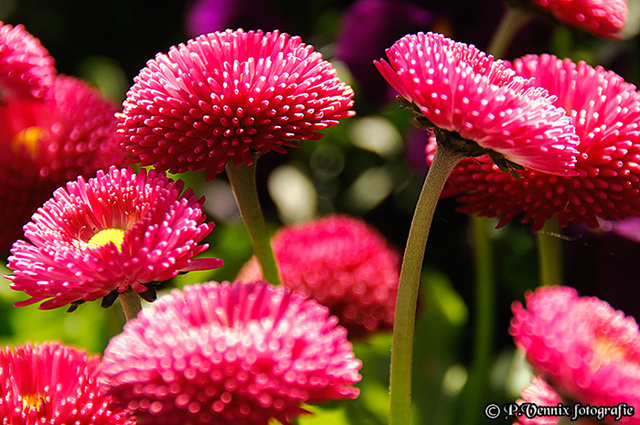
point(371, 166)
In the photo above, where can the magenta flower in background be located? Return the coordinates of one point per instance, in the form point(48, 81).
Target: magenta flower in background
point(587, 351)
point(205, 16)
point(26, 69)
point(52, 383)
point(368, 27)
point(45, 143)
point(460, 89)
point(118, 231)
point(605, 111)
point(240, 354)
point(228, 95)
point(604, 18)
point(344, 264)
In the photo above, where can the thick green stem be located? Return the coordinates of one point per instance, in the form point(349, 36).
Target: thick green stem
point(243, 183)
point(131, 304)
point(549, 244)
point(511, 22)
point(484, 319)
point(408, 287)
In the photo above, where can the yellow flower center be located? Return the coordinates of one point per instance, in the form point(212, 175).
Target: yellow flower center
point(606, 352)
point(32, 401)
point(104, 236)
point(30, 138)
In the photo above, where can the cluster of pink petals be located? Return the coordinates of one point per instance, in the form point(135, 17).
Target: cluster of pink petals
point(47, 142)
point(240, 354)
point(162, 231)
point(54, 384)
point(227, 95)
point(344, 264)
point(26, 69)
point(460, 89)
point(604, 18)
point(587, 351)
point(606, 113)
point(538, 394)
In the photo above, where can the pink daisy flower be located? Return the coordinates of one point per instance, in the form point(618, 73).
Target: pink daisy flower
point(459, 89)
point(604, 18)
point(605, 111)
point(240, 354)
point(538, 393)
point(587, 351)
point(26, 69)
point(46, 143)
point(54, 384)
point(120, 230)
point(344, 264)
point(227, 95)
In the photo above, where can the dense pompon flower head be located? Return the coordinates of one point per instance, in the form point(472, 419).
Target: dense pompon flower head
point(54, 384)
point(605, 111)
point(344, 264)
point(117, 231)
point(47, 142)
point(459, 89)
point(605, 18)
point(225, 96)
point(26, 68)
point(229, 354)
point(587, 351)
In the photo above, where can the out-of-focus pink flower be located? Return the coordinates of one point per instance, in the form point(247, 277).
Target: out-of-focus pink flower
point(344, 264)
point(461, 90)
point(120, 230)
point(605, 111)
point(537, 393)
point(227, 95)
point(587, 351)
point(26, 69)
point(240, 354)
point(54, 384)
point(604, 18)
point(45, 143)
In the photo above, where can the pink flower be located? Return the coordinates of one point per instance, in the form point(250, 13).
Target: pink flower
point(239, 354)
point(45, 143)
point(604, 18)
point(587, 351)
point(344, 264)
point(54, 384)
point(227, 95)
point(461, 90)
point(26, 69)
point(537, 393)
point(116, 231)
point(605, 111)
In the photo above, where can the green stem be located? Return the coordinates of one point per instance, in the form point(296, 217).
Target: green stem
point(549, 246)
point(409, 284)
point(511, 22)
point(243, 183)
point(131, 304)
point(484, 318)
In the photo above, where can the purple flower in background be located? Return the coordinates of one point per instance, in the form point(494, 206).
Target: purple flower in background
point(368, 28)
point(217, 15)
